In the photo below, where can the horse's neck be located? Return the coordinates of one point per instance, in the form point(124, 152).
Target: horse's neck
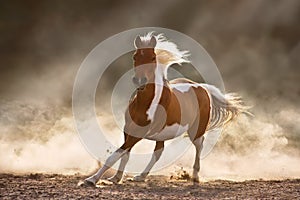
point(152, 95)
point(145, 96)
point(153, 89)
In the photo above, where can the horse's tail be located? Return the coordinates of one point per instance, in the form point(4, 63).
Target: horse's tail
point(224, 107)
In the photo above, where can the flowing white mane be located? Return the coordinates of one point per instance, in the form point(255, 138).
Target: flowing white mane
point(167, 52)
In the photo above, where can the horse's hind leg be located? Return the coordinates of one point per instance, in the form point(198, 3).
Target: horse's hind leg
point(196, 136)
point(112, 159)
point(159, 147)
point(196, 133)
point(198, 129)
point(198, 143)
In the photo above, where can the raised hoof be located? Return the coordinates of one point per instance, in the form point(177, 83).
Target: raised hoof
point(86, 183)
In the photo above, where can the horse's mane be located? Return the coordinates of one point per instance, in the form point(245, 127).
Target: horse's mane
point(167, 52)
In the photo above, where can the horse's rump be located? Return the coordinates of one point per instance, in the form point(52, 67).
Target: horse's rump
point(224, 107)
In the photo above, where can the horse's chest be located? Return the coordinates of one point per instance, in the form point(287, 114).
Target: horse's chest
point(168, 132)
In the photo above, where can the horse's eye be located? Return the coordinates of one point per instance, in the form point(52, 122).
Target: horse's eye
point(134, 57)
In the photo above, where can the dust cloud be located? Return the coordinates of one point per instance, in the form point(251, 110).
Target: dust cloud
point(40, 139)
point(46, 141)
point(252, 148)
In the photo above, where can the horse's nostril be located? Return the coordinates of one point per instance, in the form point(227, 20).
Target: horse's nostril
point(139, 81)
point(143, 80)
point(135, 80)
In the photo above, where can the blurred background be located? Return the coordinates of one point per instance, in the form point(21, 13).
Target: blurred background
point(255, 44)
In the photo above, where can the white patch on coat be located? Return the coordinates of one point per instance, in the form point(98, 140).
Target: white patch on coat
point(184, 87)
point(159, 85)
point(169, 132)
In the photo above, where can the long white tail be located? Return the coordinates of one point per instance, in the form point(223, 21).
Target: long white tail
point(224, 107)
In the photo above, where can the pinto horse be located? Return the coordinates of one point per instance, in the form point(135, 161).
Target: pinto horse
point(162, 109)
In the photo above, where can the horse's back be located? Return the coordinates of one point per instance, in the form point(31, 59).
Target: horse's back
point(184, 85)
point(181, 80)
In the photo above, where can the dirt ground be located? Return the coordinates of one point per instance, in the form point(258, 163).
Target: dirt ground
point(43, 186)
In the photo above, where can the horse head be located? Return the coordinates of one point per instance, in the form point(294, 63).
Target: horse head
point(144, 61)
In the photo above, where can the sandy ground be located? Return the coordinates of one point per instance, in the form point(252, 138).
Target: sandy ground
point(43, 186)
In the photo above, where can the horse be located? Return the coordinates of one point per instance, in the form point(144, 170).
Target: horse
point(163, 109)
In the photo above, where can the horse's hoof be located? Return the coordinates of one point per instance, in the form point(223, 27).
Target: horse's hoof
point(139, 178)
point(195, 180)
point(114, 179)
point(86, 183)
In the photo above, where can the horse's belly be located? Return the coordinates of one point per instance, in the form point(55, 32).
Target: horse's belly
point(168, 132)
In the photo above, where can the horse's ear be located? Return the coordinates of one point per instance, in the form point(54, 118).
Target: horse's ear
point(138, 42)
point(152, 42)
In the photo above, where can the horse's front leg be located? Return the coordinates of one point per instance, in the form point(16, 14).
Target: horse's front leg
point(112, 159)
point(159, 147)
point(118, 176)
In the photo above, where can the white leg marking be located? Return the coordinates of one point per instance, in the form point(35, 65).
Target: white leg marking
point(198, 145)
point(155, 157)
point(118, 176)
point(111, 160)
